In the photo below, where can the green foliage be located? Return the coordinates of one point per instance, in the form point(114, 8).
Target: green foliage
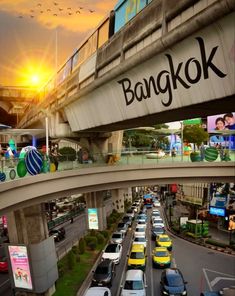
point(105, 233)
point(71, 260)
point(61, 268)
point(195, 134)
point(82, 246)
point(91, 242)
point(100, 238)
point(68, 153)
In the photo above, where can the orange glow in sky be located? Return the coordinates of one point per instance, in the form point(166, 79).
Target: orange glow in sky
point(28, 53)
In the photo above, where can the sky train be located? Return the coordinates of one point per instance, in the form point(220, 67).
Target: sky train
point(123, 12)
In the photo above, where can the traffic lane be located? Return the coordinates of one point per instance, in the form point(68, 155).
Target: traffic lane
point(200, 266)
point(5, 285)
point(120, 269)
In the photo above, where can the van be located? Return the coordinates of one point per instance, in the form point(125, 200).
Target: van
point(137, 258)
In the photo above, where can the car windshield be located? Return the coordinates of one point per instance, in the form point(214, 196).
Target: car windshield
point(101, 270)
point(157, 221)
point(164, 239)
point(117, 235)
point(161, 254)
point(137, 255)
point(175, 281)
point(111, 249)
point(140, 230)
point(133, 285)
point(158, 229)
point(139, 239)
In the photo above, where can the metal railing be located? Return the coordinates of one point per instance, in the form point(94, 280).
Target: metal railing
point(9, 169)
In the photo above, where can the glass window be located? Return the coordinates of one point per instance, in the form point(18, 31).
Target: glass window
point(133, 285)
point(111, 249)
point(175, 280)
point(137, 255)
point(102, 270)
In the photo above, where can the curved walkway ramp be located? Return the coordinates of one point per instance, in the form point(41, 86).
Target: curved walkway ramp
point(36, 189)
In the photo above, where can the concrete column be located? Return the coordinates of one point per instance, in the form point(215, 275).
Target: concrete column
point(95, 200)
point(27, 225)
point(118, 197)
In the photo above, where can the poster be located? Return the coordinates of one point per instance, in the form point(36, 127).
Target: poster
point(93, 219)
point(221, 128)
point(20, 267)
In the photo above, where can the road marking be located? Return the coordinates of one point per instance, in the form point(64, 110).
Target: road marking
point(218, 278)
point(150, 259)
point(4, 283)
point(207, 280)
point(174, 265)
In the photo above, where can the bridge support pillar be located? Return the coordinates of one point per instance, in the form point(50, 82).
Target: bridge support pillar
point(95, 200)
point(118, 198)
point(28, 226)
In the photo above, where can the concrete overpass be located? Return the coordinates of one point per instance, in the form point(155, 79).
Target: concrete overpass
point(44, 187)
point(171, 62)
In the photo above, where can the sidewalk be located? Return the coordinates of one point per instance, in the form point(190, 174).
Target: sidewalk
point(219, 235)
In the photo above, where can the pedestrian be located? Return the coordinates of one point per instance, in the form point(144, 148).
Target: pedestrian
point(173, 152)
point(54, 156)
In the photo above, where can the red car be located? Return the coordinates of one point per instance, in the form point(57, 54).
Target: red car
point(3, 264)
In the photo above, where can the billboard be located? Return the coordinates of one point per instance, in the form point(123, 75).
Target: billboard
point(221, 127)
point(20, 267)
point(217, 211)
point(93, 219)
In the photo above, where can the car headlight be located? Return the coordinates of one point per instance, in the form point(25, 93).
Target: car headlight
point(184, 293)
point(165, 293)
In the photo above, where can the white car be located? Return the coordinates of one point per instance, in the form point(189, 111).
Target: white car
point(140, 240)
point(158, 222)
point(141, 223)
point(113, 252)
point(139, 231)
point(135, 283)
point(156, 204)
point(98, 291)
point(117, 237)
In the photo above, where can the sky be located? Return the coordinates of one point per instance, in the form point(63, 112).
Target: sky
point(32, 31)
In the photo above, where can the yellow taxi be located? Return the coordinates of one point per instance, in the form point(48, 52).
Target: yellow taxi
point(137, 258)
point(163, 240)
point(161, 258)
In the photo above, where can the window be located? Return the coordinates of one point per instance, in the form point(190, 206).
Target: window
point(134, 285)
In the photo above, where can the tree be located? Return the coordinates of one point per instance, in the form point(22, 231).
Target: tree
point(195, 134)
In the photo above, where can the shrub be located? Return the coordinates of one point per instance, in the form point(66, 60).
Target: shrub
point(71, 260)
point(100, 238)
point(60, 269)
point(93, 232)
point(81, 246)
point(91, 242)
point(105, 233)
point(68, 153)
point(215, 243)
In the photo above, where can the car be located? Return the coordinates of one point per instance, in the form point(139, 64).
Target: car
point(137, 258)
point(158, 222)
point(141, 217)
point(163, 240)
point(141, 240)
point(122, 227)
point(135, 283)
point(141, 223)
point(161, 258)
point(98, 291)
point(127, 220)
point(117, 237)
point(155, 217)
point(130, 213)
point(3, 264)
point(156, 204)
point(58, 234)
point(140, 231)
point(113, 252)
point(156, 231)
point(104, 273)
point(172, 282)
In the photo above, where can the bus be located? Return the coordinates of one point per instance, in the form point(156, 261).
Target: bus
point(148, 200)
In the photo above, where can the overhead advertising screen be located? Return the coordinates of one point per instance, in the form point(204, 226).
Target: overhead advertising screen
point(217, 211)
point(20, 267)
point(221, 128)
point(93, 219)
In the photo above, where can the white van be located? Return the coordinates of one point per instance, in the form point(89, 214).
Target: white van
point(98, 291)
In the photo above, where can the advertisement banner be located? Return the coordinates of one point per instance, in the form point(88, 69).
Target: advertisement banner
point(231, 224)
point(20, 267)
point(93, 219)
point(221, 128)
point(217, 211)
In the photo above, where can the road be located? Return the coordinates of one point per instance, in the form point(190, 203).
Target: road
point(202, 268)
